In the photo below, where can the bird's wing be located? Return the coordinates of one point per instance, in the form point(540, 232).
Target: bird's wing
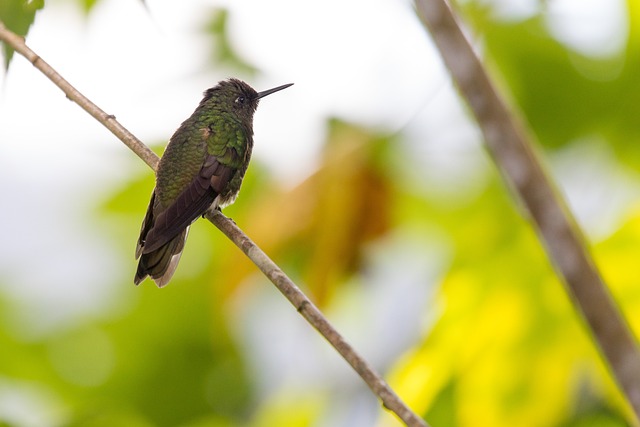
point(146, 225)
point(196, 198)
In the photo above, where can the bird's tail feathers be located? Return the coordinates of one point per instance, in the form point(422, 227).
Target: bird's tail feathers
point(161, 263)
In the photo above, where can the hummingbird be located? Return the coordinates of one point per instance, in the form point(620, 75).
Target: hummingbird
point(202, 168)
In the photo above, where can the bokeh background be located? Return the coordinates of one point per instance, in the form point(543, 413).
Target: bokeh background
point(369, 186)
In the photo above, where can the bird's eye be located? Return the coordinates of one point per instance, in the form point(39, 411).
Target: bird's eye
point(240, 100)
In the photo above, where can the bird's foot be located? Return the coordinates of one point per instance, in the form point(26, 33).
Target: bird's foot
point(212, 211)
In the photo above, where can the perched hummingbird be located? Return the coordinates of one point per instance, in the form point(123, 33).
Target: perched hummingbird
point(201, 168)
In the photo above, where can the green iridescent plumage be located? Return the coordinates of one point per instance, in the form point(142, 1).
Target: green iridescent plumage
point(201, 168)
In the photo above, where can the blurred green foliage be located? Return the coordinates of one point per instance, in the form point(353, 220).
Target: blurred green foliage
point(17, 15)
point(565, 94)
point(506, 349)
point(509, 348)
point(222, 52)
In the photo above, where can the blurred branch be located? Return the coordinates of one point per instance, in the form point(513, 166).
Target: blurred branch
point(513, 154)
point(310, 312)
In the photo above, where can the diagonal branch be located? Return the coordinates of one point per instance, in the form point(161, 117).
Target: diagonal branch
point(303, 305)
point(108, 120)
point(513, 154)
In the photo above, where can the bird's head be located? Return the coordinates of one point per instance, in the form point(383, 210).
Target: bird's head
point(236, 96)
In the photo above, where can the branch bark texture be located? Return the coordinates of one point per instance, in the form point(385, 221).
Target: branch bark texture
point(285, 285)
point(313, 315)
point(513, 154)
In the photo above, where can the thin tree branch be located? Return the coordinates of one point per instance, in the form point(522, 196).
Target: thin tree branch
point(108, 120)
point(313, 315)
point(303, 305)
point(522, 170)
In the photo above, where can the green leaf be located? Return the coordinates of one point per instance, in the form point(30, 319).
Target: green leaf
point(223, 51)
point(17, 16)
point(87, 5)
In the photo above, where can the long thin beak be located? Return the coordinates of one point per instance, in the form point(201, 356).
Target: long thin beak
point(270, 91)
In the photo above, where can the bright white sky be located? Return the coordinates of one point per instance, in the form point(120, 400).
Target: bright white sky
point(367, 61)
